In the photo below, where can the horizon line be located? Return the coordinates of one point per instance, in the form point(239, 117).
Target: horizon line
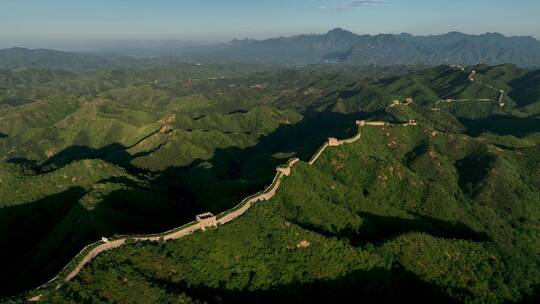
point(191, 42)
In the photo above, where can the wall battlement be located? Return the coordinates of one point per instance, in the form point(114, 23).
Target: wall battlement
point(412, 122)
point(471, 76)
point(396, 102)
point(362, 123)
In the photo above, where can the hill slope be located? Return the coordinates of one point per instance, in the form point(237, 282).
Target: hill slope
point(395, 215)
point(90, 154)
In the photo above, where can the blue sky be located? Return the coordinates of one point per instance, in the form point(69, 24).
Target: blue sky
point(48, 23)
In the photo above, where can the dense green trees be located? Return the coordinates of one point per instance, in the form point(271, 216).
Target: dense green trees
point(425, 209)
point(363, 221)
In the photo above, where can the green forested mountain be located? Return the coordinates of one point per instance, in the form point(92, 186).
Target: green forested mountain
point(449, 208)
point(406, 213)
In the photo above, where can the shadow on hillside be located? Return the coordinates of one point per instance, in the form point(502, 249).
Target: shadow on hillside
point(381, 228)
point(472, 171)
point(24, 227)
point(419, 150)
point(501, 125)
point(171, 198)
point(361, 286)
point(302, 138)
point(113, 153)
point(377, 229)
point(43, 236)
point(3, 135)
point(524, 90)
point(533, 297)
point(24, 162)
point(233, 173)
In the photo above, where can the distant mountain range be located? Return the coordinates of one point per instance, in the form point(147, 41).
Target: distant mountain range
point(336, 46)
point(22, 58)
point(342, 46)
point(15, 58)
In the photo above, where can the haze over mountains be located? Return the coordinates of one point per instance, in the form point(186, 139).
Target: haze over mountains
point(336, 46)
point(339, 45)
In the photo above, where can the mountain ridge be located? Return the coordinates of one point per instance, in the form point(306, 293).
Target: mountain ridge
point(335, 46)
point(108, 149)
point(343, 46)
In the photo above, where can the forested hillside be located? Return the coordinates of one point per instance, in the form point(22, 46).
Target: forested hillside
point(86, 155)
point(405, 212)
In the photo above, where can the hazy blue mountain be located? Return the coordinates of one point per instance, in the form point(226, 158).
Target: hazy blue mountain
point(14, 58)
point(23, 58)
point(339, 45)
point(336, 46)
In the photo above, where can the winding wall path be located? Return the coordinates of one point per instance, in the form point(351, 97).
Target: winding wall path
point(92, 250)
point(472, 77)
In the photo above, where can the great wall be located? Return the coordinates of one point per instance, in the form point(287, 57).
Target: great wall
point(472, 78)
point(202, 222)
point(208, 220)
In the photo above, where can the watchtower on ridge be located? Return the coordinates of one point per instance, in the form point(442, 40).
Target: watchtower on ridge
point(412, 122)
point(285, 170)
point(332, 141)
point(206, 220)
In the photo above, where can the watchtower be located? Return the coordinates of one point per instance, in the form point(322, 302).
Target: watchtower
point(332, 141)
point(285, 170)
point(412, 122)
point(206, 220)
